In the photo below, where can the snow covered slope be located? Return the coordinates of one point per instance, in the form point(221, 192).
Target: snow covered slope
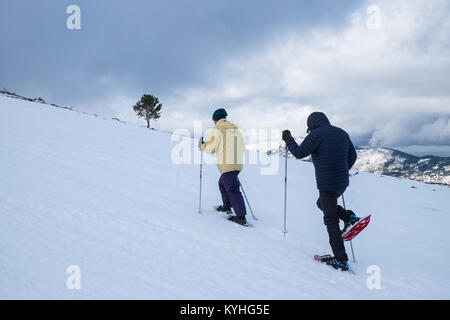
point(105, 196)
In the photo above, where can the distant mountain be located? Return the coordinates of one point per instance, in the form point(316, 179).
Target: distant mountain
point(391, 162)
point(430, 169)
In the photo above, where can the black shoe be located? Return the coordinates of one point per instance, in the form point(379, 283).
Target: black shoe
point(351, 221)
point(239, 220)
point(225, 209)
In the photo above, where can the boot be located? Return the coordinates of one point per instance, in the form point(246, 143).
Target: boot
point(239, 220)
point(352, 219)
point(222, 208)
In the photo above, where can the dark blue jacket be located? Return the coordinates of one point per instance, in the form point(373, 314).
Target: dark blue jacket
point(331, 149)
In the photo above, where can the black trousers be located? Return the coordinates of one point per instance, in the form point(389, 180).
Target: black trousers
point(332, 212)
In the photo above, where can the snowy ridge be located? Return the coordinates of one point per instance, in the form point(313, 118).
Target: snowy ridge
point(105, 196)
point(392, 162)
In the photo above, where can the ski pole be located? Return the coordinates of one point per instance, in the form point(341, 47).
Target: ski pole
point(201, 173)
point(351, 245)
point(248, 203)
point(285, 190)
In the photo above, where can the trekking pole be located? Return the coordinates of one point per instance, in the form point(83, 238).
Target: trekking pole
point(201, 173)
point(248, 203)
point(351, 245)
point(285, 189)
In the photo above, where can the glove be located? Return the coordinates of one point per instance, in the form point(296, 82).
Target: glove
point(200, 143)
point(286, 135)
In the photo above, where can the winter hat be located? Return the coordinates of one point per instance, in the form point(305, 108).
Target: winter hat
point(219, 114)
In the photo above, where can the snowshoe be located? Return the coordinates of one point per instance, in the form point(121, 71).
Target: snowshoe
point(332, 262)
point(355, 229)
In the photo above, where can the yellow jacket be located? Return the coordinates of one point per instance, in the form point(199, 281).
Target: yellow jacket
point(227, 143)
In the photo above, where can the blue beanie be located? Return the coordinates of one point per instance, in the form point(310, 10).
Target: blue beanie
point(219, 114)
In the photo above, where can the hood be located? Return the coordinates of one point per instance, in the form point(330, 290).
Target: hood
point(224, 124)
point(317, 120)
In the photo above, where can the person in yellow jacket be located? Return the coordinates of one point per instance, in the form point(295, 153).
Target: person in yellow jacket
point(227, 143)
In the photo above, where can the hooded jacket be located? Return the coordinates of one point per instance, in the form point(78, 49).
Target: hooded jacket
point(331, 150)
point(227, 143)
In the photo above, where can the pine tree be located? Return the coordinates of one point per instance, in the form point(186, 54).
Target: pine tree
point(148, 107)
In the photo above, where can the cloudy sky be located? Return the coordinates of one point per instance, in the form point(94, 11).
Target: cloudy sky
point(270, 63)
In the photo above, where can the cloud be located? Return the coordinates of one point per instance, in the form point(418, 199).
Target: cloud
point(139, 45)
point(387, 87)
point(416, 131)
point(269, 64)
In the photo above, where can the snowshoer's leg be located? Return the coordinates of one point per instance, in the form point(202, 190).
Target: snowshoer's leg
point(230, 183)
point(347, 216)
point(328, 205)
point(224, 193)
point(343, 214)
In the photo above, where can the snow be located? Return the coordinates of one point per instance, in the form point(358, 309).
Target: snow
point(374, 159)
point(105, 196)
